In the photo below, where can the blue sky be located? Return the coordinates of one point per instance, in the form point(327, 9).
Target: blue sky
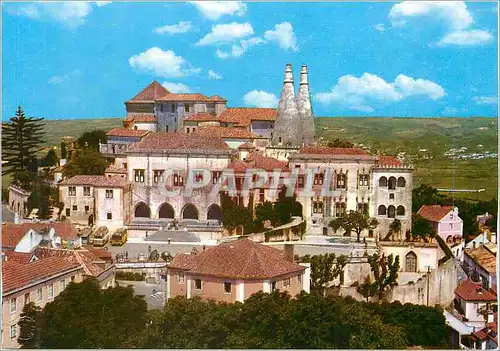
point(83, 60)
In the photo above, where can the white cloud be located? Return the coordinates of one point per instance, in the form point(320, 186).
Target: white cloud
point(380, 27)
point(213, 10)
point(259, 98)
point(70, 13)
point(162, 63)
point(238, 50)
point(214, 75)
point(59, 79)
point(455, 13)
point(284, 35)
point(176, 88)
point(486, 100)
point(179, 28)
point(466, 38)
point(226, 33)
point(102, 3)
point(359, 93)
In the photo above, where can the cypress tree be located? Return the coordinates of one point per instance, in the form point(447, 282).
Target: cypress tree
point(21, 139)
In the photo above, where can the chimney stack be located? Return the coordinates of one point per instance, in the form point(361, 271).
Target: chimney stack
point(288, 252)
point(287, 127)
point(304, 107)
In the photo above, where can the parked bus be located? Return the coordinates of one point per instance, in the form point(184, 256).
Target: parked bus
point(101, 236)
point(119, 237)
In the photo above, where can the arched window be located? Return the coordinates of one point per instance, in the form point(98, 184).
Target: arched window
point(214, 212)
point(411, 262)
point(166, 211)
point(382, 211)
point(391, 212)
point(341, 181)
point(392, 183)
point(382, 182)
point(142, 211)
point(401, 182)
point(400, 211)
point(190, 212)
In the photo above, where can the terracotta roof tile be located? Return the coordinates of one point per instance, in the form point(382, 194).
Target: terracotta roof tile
point(243, 116)
point(325, 150)
point(434, 213)
point(389, 161)
point(225, 132)
point(96, 181)
point(150, 93)
point(246, 146)
point(140, 118)
point(483, 257)
point(471, 291)
point(18, 257)
point(202, 117)
point(192, 97)
point(115, 169)
point(16, 275)
point(260, 161)
point(240, 259)
point(488, 332)
point(125, 132)
point(181, 142)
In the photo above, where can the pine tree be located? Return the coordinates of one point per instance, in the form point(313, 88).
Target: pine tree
point(29, 325)
point(21, 139)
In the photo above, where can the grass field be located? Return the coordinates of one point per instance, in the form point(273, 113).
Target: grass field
point(389, 136)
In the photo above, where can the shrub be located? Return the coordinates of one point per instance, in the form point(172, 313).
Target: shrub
point(131, 276)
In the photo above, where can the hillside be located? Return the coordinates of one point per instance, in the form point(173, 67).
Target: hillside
point(390, 136)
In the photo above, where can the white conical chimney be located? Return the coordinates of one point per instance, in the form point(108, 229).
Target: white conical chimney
point(287, 127)
point(304, 108)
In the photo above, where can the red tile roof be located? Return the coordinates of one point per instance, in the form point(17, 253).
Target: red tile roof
point(258, 160)
point(225, 132)
point(180, 142)
point(240, 259)
point(471, 291)
point(325, 150)
point(150, 93)
point(16, 275)
point(484, 258)
point(389, 161)
point(243, 116)
point(115, 169)
point(192, 97)
point(488, 332)
point(96, 181)
point(13, 233)
point(125, 132)
point(202, 117)
point(247, 145)
point(140, 118)
point(18, 257)
point(434, 213)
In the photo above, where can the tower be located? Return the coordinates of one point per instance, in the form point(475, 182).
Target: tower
point(287, 127)
point(304, 108)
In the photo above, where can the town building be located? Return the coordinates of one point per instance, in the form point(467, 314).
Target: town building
point(414, 257)
point(233, 271)
point(18, 200)
point(445, 221)
point(487, 338)
point(482, 261)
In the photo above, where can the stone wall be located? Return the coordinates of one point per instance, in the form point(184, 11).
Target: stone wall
point(442, 284)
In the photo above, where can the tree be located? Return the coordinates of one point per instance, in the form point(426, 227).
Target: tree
point(64, 150)
point(385, 270)
point(265, 212)
point(286, 207)
point(426, 195)
point(109, 317)
point(88, 162)
point(324, 269)
point(92, 139)
point(394, 227)
point(367, 289)
point(50, 159)
point(234, 215)
point(21, 139)
point(420, 227)
point(29, 325)
point(354, 221)
point(340, 143)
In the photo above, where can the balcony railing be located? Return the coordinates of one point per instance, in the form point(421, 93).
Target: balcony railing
point(113, 149)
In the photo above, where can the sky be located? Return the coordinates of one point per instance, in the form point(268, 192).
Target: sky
point(404, 59)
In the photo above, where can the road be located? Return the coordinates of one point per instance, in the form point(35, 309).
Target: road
point(146, 289)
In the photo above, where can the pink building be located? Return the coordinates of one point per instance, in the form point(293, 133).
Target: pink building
point(445, 221)
point(233, 271)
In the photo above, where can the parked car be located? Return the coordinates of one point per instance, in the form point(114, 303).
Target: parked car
point(142, 257)
point(120, 257)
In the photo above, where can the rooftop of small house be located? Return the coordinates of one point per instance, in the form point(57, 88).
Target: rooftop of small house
point(472, 291)
point(240, 259)
point(483, 257)
point(13, 233)
point(95, 181)
point(434, 213)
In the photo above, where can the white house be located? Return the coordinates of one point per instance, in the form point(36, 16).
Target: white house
point(483, 261)
point(473, 302)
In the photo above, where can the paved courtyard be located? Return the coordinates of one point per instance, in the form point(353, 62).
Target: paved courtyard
point(146, 289)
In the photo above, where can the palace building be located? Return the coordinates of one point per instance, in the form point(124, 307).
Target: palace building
point(171, 140)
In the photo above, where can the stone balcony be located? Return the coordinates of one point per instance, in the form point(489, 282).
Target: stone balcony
point(113, 150)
